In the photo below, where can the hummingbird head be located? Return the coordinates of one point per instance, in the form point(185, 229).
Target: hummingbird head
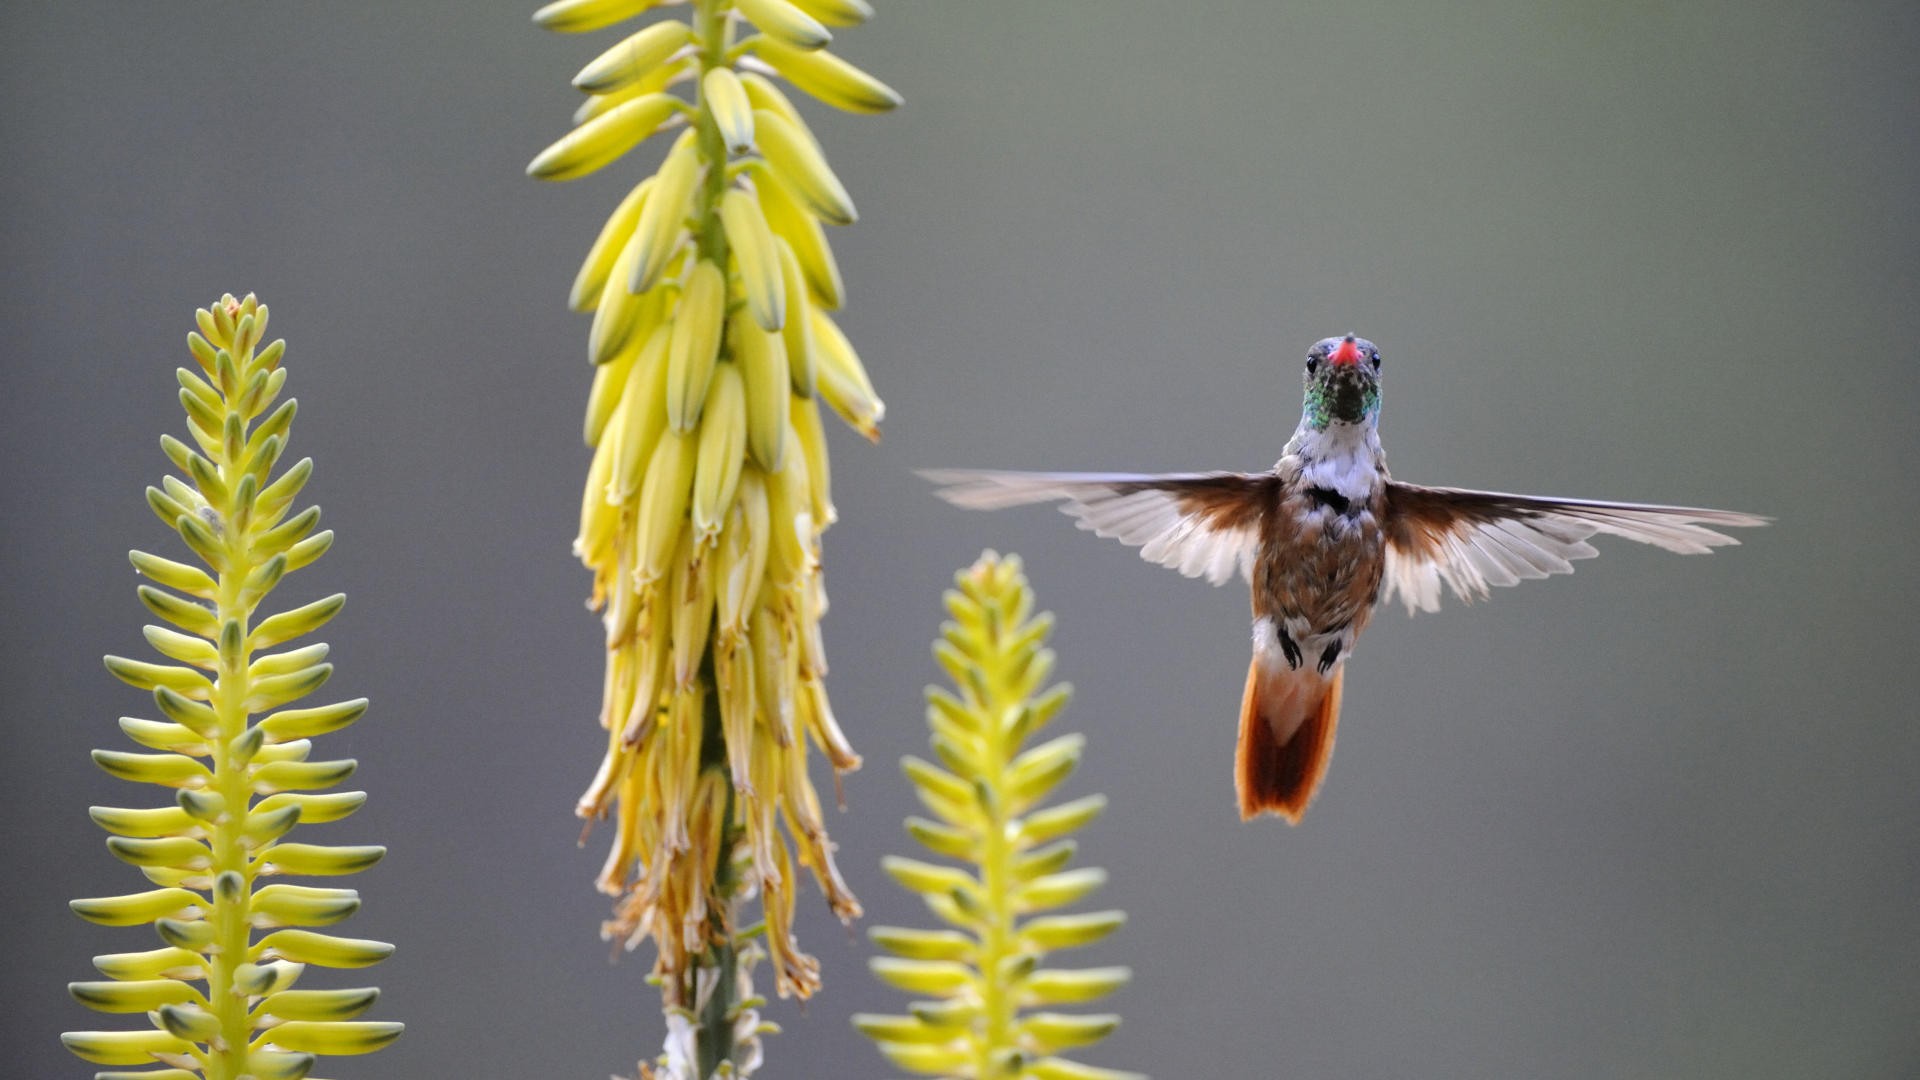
point(1343, 382)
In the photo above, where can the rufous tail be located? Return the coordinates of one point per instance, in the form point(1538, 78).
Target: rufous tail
point(1287, 720)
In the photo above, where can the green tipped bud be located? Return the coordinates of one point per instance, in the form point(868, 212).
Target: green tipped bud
point(292, 624)
point(319, 1004)
point(274, 1065)
point(1057, 890)
point(1071, 931)
point(581, 16)
point(632, 59)
point(797, 161)
point(307, 947)
point(1050, 986)
point(922, 877)
point(300, 905)
point(132, 997)
point(923, 944)
point(320, 720)
point(136, 909)
point(828, 78)
point(159, 821)
point(726, 100)
point(123, 1047)
point(169, 770)
point(605, 138)
point(315, 809)
point(921, 976)
point(188, 579)
point(324, 1037)
point(318, 860)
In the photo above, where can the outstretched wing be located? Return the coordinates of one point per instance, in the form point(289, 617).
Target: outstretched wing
point(1201, 524)
point(1475, 539)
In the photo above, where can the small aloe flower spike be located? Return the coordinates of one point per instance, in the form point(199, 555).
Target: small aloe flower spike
point(978, 977)
point(221, 1000)
point(711, 288)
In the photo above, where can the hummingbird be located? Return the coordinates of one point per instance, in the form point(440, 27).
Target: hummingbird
point(1322, 538)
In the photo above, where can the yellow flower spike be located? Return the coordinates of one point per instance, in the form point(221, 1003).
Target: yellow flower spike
point(634, 58)
point(796, 161)
point(723, 444)
point(695, 345)
point(724, 96)
point(605, 138)
point(711, 493)
point(827, 77)
point(987, 969)
point(759, 259)
point(207, 851)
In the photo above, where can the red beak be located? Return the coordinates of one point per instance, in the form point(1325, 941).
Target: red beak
point(1347, 353)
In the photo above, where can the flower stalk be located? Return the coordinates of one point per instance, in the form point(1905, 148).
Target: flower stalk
point(711, 288)
point(986, 795)
point(207, 853)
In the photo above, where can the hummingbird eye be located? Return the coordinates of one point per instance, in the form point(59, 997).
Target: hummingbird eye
point(1375, 357)
point(1313, 364)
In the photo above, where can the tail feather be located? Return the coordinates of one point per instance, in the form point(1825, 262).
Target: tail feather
point(1287, 723)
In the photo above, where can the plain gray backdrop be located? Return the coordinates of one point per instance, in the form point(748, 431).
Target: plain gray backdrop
point(1661, 818)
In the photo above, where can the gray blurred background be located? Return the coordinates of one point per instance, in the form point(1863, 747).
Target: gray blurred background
point(1661, 818)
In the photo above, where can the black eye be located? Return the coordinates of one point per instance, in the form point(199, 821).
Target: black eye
point(1313, 364)
point(1376, 360)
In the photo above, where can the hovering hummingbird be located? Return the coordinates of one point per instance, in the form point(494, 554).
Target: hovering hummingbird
point(1321, 537)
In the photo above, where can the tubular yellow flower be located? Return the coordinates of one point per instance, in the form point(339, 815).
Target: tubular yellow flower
point(207, 852)
point(707, 494)
point(986, 794)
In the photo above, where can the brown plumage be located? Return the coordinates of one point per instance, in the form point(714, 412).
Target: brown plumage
point(1322, 538)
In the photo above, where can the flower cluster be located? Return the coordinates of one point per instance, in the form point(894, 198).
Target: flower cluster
point(986, 797)
point(711, 288)
point(221, 1001)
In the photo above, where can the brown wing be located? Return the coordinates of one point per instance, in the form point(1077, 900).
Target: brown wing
point(1475, 539)
point(1201, 524)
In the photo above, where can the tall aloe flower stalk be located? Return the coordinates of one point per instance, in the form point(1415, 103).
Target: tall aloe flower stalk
point(221, 1000)
point(710, 288)
point(980, 977)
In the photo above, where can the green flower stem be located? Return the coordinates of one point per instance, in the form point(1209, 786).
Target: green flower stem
point(230, 780)
point(997, 942)
point(714, 1042)
point(714, 32)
